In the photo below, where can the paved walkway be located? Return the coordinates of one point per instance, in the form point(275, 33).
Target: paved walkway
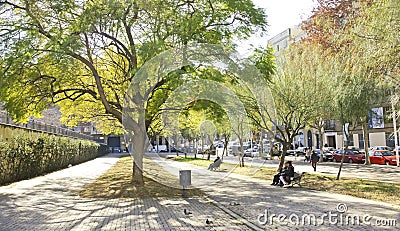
point(251, 198)
point(51, 202)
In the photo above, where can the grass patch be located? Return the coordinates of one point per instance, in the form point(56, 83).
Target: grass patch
point(117, 183)
point(379, 191)
point(192, 160)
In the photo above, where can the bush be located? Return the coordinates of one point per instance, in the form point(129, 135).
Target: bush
point(26, 156)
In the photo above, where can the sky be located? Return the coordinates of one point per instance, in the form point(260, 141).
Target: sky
point(281, 14)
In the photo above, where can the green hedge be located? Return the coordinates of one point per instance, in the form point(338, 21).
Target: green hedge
point(27, 156)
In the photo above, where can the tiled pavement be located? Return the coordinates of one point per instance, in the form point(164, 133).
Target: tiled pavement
point(251, 197)
point(51, 203)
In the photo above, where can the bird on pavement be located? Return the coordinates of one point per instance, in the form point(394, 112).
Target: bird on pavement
point(234, 203)
point(186, 212)
point(208, 222)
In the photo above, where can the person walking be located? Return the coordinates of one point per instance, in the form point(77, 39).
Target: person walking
point(314, 159)
point(307, 154)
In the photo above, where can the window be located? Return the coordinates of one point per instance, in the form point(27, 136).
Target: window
point(351, 140)
point(389, 139)
point(330, 125)
point(361, 141)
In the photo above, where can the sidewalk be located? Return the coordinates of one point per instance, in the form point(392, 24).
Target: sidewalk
point(51, 202)
point(250, 197)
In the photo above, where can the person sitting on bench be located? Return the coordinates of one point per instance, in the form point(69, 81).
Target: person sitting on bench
point(283, 178)
point(212, 164)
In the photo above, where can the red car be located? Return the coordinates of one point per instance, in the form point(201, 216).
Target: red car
point(352, 156)
point(382, 157)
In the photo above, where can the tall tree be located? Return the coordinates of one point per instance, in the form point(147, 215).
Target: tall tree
point(88, 52)
point(294, 87)
point(333, 25)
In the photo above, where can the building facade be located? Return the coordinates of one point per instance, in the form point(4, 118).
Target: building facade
point(380, 125)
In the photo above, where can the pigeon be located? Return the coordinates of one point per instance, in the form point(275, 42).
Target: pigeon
point(208, 222)
point(186, 212)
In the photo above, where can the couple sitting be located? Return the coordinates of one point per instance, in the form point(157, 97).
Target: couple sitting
point(283, 178)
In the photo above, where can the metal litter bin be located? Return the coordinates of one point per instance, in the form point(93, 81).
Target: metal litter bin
point(185, 179)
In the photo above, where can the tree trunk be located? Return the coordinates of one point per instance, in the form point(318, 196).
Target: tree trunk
point(210, 148)
point(241, 153)
point(137, 177)
point(366, 141)
point(195, 148)
point(139, 141)
point(285, 147)
point(176, 144)
point(321, 143)
point(344, 153)
point(225, 151)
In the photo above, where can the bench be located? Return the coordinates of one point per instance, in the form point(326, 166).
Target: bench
point(216, 165)
point(296, 179)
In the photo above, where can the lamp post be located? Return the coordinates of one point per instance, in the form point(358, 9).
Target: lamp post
point(394, 118)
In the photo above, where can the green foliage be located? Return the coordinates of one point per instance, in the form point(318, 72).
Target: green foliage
point(264, 60)
point(82, 55)
point(25, 156)
point(376, 38)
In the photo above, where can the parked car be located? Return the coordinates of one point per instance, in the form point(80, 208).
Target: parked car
point(160, 148)
point(328, 149)
point(251, 152)
point(352, 156)
point(325, 156)
point(380, 148)
point(173, 149)
point(394, 150)
point(328, 156)
point(301, 150)
point(382, 157)
point(328, 153)
point(290, 152)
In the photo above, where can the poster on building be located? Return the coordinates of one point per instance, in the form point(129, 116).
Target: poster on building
point(376, 118)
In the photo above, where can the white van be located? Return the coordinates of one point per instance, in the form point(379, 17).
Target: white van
point(160, 148)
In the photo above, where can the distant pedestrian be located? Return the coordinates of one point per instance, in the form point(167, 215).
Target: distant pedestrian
point(307, 154)
point(314, 160)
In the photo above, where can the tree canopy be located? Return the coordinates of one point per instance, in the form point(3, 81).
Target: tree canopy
point(82, 55)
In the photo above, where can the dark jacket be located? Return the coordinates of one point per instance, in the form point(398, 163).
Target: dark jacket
point(314, 157)
point(287, 173)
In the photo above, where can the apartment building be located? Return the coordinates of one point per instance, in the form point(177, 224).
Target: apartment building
point(380, 124)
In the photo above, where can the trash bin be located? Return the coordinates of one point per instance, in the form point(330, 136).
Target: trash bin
point(185, 177)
